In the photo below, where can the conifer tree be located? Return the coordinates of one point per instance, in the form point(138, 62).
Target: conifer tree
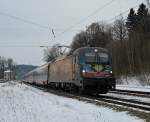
point(143, 18)
point(131, 20)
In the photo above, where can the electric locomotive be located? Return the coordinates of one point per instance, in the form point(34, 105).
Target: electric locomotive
point(95, 67)
point(88, 70)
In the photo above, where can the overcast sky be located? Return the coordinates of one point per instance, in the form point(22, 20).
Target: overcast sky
point(36, 18)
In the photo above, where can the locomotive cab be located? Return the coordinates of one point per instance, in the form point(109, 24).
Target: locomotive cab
point(95, 69)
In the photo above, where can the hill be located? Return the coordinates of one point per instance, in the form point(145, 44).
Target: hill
point(23, 69)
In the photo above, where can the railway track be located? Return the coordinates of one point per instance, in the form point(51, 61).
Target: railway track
point(4, 81)
point(98, 99)
point(131, 93)
point(126, 102)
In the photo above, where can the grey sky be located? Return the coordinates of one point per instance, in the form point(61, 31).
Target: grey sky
point(57, 14)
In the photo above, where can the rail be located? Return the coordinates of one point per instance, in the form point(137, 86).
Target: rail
point(98, 99)
point(129, 92)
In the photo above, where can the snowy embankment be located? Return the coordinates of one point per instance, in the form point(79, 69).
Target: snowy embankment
point(139, 83)
point(21, 103)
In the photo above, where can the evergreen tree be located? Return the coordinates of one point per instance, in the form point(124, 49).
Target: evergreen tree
point(142, 12)
point(131, 20)
point(143, 18)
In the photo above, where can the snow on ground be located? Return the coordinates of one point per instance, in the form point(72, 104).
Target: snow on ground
point(138, 81)
point(133, 88)
point(134, 83)
point(21, 103)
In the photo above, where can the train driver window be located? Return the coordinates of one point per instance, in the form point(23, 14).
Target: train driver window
point(76, 59)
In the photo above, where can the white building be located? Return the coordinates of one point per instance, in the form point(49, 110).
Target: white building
point(8, 75)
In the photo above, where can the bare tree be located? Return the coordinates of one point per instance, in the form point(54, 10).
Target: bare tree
point(80, 40)
point(99, 34)
point(120, 30)
point(52, 53)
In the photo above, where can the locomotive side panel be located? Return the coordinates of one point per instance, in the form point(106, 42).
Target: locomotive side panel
point(61, 70)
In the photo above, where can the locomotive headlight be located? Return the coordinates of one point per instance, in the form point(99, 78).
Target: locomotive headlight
point(95, 50)
point(83, 72)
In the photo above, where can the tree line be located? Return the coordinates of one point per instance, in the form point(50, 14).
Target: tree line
point(6, 64)
point(127, 39)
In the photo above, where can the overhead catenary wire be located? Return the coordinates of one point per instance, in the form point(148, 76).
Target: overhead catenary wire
point(23, 20)
point(51, 46)
point(33, 23)
point(57, 28)
point(85, 18)
point(41, 46)
point(124, 12)
point(25, 45)
point(107, 20)
point(21, 46)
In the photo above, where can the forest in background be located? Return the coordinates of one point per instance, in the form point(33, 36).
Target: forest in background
point(127, 39)
point(22, 69)
point(18, 70)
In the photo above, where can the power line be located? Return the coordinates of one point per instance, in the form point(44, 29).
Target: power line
point(41, 46)
point(51, 46)
point(123, 13)
point(24, 20)
point(46, 27)
point(94, 12)
point(19, 46)
point(109, 19)
point(33, 23)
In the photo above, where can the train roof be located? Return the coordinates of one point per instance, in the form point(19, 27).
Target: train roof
point(8, 71)
point(79, 50)
point(62, 57)
point(38, 68)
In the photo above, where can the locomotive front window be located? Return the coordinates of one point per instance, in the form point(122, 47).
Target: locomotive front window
point(96, 57)
point(103, 57)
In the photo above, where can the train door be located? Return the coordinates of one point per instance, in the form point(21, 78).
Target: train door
point(77, 69)
point(73, 67)
point(48, 73)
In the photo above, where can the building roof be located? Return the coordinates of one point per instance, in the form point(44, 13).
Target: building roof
point(8, 71)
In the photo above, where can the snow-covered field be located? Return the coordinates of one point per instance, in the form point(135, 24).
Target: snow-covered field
point(21, 103)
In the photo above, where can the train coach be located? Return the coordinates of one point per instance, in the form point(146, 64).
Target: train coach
point(38, 76)
point(88, 70)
